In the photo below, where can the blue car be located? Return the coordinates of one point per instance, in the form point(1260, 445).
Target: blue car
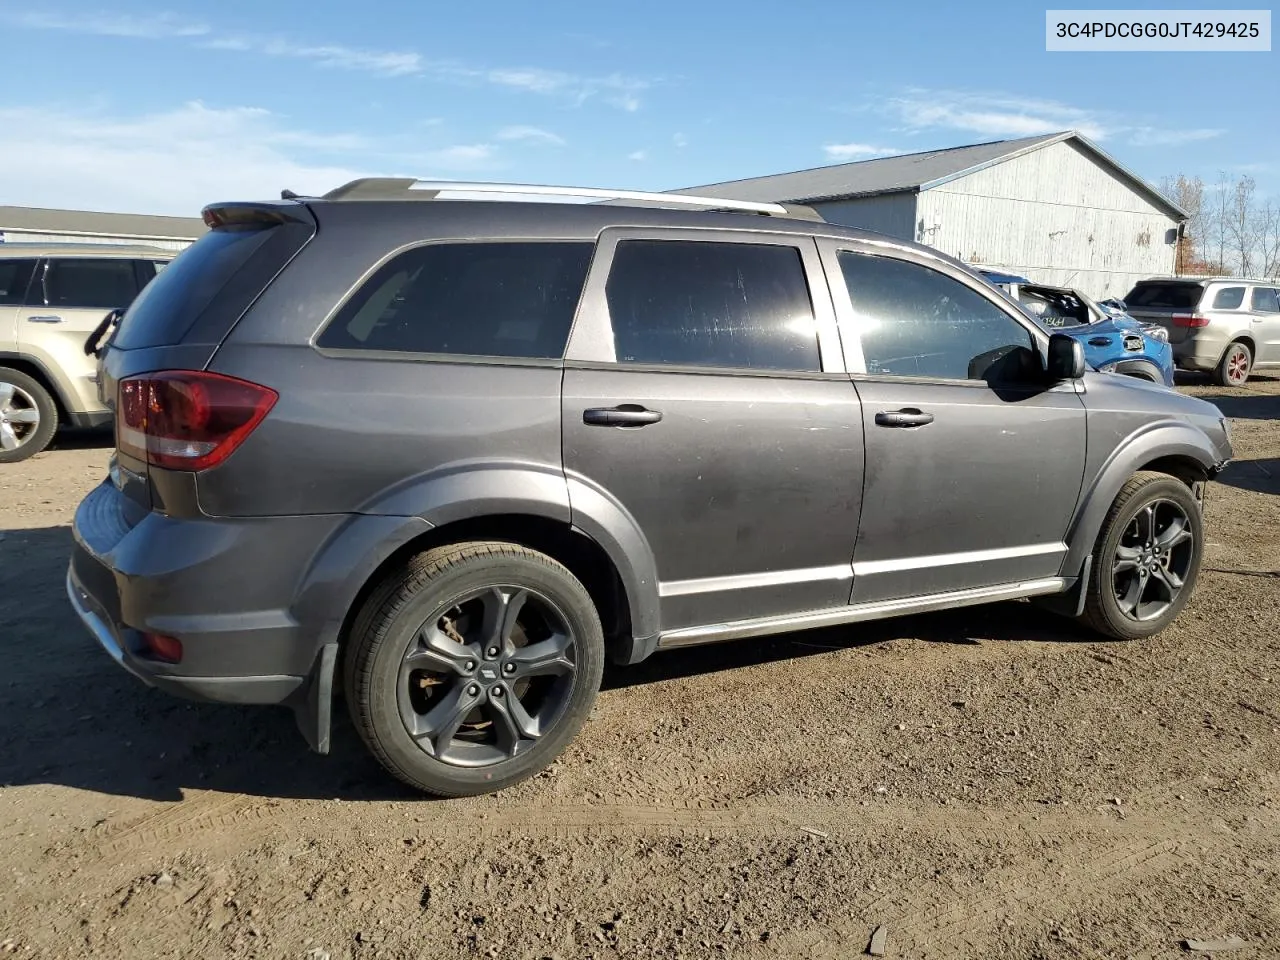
point(1113, 341)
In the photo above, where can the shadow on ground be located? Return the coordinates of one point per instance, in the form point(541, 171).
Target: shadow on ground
point(92, 439)
point(73, 718)
point(1260, 406)
point(1260, 476)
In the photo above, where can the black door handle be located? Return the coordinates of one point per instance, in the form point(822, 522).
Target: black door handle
point(1099, 341)
point(906, 417)
point(624, 415)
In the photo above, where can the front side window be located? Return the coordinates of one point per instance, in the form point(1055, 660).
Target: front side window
point(14, 275)
point(708, 304)
point(916, 322)
point(1228, 298)
point(101, 283)
point(1265, 300)
point(470, 299)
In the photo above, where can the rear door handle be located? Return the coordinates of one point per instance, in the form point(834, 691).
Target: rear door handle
point(906, 417)
point(47, 318)
point(623, 415)
point(1099, 341)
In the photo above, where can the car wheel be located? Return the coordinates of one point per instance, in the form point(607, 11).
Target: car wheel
point(28, 416)
point(1146, 559)
point(1233, 369)
point(473, 667)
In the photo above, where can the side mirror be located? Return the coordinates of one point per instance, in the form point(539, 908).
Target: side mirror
point(1066, 358)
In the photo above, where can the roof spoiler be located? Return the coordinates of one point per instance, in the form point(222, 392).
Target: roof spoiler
point(235, 214)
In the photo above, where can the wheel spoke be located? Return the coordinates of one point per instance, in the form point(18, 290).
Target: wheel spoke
point(1133, 594)
point(546, 657)
point(1146, 520)
point(1169, 580)
point(439, 653)
point(501, 611)
point(1126, 559)
point(6, 394)
point(511, 723)
point(439, 724)
point(1179, 531)
point(23, 416)
point(8, 438)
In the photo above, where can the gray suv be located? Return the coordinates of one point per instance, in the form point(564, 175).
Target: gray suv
point(446, 456)
point(1224, 326)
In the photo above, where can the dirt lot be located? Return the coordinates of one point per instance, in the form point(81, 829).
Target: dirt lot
point(985, 783)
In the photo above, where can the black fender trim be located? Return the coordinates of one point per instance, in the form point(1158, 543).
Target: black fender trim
point(313, 710)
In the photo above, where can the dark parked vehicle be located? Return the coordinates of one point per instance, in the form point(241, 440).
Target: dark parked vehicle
point(449, 455)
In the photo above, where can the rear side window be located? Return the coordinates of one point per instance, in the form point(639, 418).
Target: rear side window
point(467, 299)
point(1228, 298)
point(712, 304)
point(1265, 300)
point(99, 283)
point(198, 283)
point(1165, 296)
point(913, 321)
point(14, 276)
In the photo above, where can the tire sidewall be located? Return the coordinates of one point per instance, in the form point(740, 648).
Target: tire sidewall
point(48, 416)
point(1223, 366)
point(1169, 489)
point(565, 594)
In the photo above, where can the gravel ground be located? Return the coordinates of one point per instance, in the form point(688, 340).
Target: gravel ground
point(983, 783)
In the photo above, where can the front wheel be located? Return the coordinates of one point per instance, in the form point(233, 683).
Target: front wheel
point(1146, 559)
point(473, 667)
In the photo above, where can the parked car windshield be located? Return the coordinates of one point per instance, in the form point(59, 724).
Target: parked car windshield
point(1057, 308)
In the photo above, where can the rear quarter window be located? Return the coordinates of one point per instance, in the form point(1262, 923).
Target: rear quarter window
point(483, 299)
point(1228, 298)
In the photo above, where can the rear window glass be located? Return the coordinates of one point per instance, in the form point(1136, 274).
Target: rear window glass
point(170, 304)
point(1166, 296)
point(1228, 298)
point(467, 299)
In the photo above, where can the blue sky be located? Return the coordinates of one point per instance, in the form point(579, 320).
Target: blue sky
point(160, 109)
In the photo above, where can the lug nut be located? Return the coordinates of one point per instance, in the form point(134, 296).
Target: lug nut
point(471, 665)
point(509, 668)
point(493, 651)
point(473, 690)
point(497, 692)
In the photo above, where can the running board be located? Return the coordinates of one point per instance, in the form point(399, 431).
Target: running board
point(856, 613)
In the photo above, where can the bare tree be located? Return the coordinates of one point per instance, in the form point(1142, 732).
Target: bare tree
point(1242, 224)
point(1269, 239)
point(1219, 219)
point(1188, 193)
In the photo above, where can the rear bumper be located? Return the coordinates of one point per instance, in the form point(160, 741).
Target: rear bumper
point(1199, 352)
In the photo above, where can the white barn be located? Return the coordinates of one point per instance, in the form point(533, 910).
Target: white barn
point(1055, 208)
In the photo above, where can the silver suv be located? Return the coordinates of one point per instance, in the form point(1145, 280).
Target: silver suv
point(52, 297)
point(1225, 326)
point(448, 455)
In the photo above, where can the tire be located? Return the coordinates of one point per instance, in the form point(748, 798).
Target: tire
point(460, 590)
point(1111, 572)
point(1234, 367)
point(22, 398)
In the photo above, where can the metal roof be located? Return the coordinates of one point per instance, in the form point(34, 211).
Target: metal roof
point(88, 223)
point(912, 172)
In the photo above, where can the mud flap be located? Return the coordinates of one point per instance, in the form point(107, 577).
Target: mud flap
point(1069, 603)
point(313, 713)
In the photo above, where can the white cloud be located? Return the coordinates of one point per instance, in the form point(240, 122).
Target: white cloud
point(853, 151)
point(680, 141)
point(521, 132)
point(1154, 137)
point(176, 161)
point(639, 156)
point(994, 115)
point(617, 90)
point(387, 63)
point(157, 26)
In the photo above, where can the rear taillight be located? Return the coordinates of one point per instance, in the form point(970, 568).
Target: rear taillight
point(187, 419)
point(1189, 320)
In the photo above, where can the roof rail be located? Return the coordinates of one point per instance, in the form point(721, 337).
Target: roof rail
point(385, 188)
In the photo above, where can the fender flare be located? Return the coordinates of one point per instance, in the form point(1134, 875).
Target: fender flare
point(1156, 441)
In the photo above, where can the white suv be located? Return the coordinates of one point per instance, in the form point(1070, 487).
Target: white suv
point(52, 297)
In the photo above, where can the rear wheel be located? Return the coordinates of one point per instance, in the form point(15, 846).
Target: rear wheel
point(1233, 369)
point(1146, 559)
point(28, 416)
point(473, 667)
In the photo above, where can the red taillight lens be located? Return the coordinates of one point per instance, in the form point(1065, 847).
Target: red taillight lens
point(163, 648)
point(1189, 320)
point(187, 419)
